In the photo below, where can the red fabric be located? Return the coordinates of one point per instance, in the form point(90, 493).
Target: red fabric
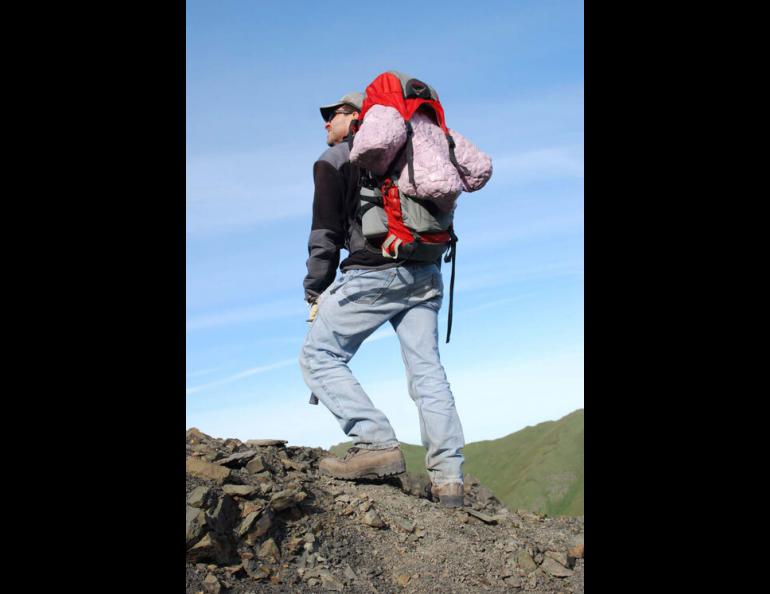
point(391, 201)
point(386, 90)
point(437, 237)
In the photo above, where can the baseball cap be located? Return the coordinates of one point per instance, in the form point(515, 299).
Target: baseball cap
point(355, 100)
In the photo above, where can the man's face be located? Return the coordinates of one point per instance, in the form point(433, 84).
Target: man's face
point(338, 126)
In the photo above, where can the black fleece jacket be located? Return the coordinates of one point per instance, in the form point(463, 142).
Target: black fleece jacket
point(335, 225)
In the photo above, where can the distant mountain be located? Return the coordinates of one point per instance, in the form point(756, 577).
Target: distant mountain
point(538, 469)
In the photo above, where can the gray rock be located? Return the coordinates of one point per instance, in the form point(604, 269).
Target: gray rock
point(512, 581)
point(206, 470)
point(559, 557)
point(238, 459)
point(414, 485)
point(262, 525)
point(256, 464)
point(329, 582)
point(481, 516)
point(253, 505)
point(484, 496)
point(266, 442)
point(240, 490)
point(283, 499)
point(211, 584)
point(290, 464)
point(554, 568)
point(257, 571)
point(402, 524)
point(348, 571)
point(525, 562)
point(200, 497)
point(373, 519)
point(196, 525)
point(247, 523)
point(195, 436)
point(269, 551)
point(213, 548)
point(223, 516)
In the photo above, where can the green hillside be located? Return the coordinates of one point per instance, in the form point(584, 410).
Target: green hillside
point(539, 468)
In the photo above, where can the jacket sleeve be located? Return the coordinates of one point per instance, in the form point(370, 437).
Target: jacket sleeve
point(327, 235)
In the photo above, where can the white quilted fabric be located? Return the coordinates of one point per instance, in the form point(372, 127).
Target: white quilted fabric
point(479, 164)
point(435, 178)
point(381, 135)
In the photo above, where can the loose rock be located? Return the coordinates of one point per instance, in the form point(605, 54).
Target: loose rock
point(238, 459)
point(206, 470)
point(554, 568)
point(240, 490)
point(211, 584)
point(373, 519)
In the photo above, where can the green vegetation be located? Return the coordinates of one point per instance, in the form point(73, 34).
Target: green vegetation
point(539, 468)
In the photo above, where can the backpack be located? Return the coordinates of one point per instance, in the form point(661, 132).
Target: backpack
point(395, 223)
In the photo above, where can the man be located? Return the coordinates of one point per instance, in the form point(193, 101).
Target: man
point(372, 290)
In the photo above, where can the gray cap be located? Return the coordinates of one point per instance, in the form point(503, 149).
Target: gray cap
point(354, 100)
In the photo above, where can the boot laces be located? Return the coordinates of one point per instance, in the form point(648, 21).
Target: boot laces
point(351, 452)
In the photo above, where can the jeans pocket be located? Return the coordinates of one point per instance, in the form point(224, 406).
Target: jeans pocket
point(366, 287)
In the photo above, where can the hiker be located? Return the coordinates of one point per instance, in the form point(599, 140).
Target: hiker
point(373, 288)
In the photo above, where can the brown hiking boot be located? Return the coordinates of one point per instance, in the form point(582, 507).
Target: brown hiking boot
point(449, 495)
point(359, 463)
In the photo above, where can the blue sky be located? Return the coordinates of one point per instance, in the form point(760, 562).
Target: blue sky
point(510, 77)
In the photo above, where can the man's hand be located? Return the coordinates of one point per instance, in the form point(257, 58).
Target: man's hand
point(313, 305)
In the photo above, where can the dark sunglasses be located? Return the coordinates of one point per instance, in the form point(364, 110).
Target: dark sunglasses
point(331, 115)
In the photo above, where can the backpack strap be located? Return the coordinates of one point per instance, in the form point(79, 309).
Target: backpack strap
point(409, 148)
point(451, 255)
point(460, 169)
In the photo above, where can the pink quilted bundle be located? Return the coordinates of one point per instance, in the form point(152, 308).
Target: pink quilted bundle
point(383, 133)
point(478, 164)
point(377, 141)
point(435, 178)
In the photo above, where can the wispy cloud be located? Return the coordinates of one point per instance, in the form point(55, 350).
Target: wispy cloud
point(499, 302)
point(266, 311)
point(243, 374)
point(555, 162)
point(231, 191)
point(527, 229)
point(201, 372)
point(499, 277)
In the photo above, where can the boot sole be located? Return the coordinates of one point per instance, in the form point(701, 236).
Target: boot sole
point(451, 501)
point(381, 472)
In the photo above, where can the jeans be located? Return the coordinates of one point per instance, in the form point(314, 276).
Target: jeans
point(350, 310)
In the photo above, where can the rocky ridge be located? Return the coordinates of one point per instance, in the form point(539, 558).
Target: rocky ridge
point(260, 518)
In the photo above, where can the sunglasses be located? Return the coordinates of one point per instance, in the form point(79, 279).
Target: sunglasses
point(332, 115)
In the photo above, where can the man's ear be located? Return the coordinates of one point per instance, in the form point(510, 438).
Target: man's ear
point(354, 124)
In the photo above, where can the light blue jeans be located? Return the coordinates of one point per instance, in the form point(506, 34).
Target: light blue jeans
point(350, 310)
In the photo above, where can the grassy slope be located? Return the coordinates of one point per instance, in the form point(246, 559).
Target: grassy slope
point(538, 468)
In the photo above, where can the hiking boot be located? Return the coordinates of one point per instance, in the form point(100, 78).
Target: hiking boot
point(449, 494)
point(359, 463)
